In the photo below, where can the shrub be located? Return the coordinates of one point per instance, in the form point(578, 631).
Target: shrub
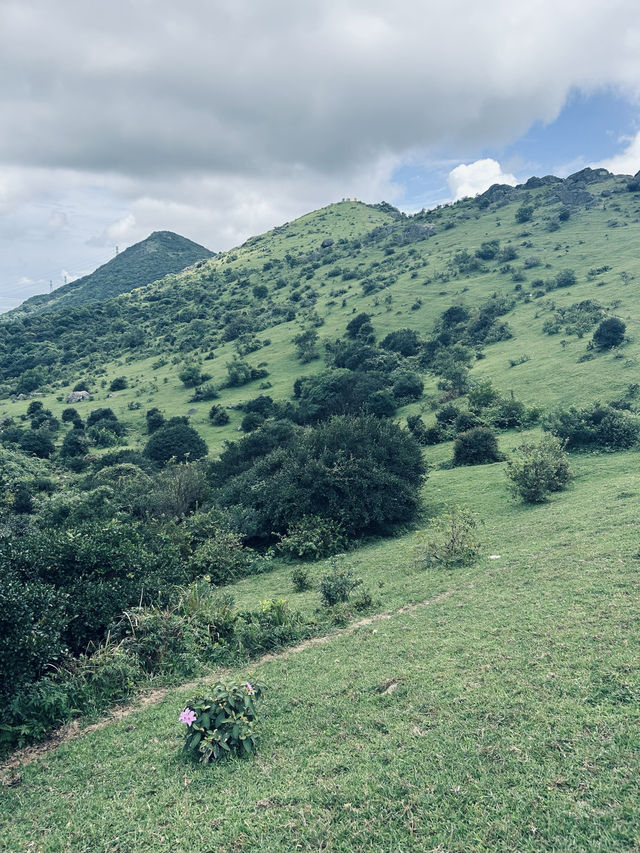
point(31, 625)
point(37, 443)
point(403, 341)
point(313, 538)
point(218, 416)
point(205, 392)
point(610, 333)
point(595, 426)
point(221, 723)
point(118, 384)
point(408, 386)
point(418, 429)
point(223, 559)
point(566, 278)
point(300, 579)
point(539, 469)
point(155, 420)
point(75, 443)
point(177, 441)
point(191, 375)
point(363, 472)
point(476, 447)
point(87, 684)
point(453, 542)
point(338, 584)
point(524, 214)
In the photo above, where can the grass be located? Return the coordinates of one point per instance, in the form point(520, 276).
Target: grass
point(502, 716)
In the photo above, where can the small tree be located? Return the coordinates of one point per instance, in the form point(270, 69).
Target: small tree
point(539, 469)
point(610, 333)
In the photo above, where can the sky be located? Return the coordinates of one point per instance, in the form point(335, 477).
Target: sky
point(219, 120)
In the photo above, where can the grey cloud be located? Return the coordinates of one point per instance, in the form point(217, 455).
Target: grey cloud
point(252, 86)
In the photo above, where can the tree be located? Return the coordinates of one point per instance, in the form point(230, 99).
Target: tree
point(307, 345)
point(177, 441)
point(610, 333)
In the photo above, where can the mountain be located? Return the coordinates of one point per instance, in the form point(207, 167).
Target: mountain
point(163, 252)
point(525, 272)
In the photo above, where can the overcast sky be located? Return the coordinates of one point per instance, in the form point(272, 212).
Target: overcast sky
point(220, 119)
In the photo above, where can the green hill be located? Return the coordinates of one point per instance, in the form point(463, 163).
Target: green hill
point(477, 688)
point(163, 252)
point(404, 271)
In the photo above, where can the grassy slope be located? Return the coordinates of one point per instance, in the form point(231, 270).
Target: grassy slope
point(515, 722)
point(514, 725)
point(551, 376)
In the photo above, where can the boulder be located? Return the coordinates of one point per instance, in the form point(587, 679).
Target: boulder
point(78, 396)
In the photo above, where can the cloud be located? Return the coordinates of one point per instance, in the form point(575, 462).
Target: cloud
point(477, 177)
point(627, 162)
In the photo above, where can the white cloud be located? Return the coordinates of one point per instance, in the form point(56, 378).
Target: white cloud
point(627, 162)
point(123, 230)
point(474, 178)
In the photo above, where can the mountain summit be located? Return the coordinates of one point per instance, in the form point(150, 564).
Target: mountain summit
point(162, 253)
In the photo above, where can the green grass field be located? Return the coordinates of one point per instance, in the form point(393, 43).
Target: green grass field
point(501, 713)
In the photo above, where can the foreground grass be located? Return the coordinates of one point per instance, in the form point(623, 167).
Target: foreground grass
point(503, 715)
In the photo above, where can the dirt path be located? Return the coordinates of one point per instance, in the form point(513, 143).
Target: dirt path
point(74, 729)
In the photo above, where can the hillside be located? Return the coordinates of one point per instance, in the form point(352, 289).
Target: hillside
point(319, 271)
point(388, 465)
point(163, 252)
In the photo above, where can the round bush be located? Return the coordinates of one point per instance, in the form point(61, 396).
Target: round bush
point(476, 447)
point(610, 333)
point(175, 441)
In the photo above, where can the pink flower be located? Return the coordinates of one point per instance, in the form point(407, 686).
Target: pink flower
point(187, 716)
point(249, 688)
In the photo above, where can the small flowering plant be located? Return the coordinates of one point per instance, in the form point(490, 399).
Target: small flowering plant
point(221, 723)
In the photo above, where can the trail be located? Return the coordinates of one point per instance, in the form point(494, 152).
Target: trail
point(74, 729)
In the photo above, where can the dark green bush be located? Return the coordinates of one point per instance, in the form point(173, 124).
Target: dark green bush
point(476, 447)
point(218, 416)
point(594, 426)
point(177, 441)
point(363, 472)
point(610, 333)
point(32, 623)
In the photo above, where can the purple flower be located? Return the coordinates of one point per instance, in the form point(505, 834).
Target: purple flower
point(187, 716)
point(250, 690)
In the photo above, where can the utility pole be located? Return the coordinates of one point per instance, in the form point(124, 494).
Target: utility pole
point(116, 250)
point(50, 285)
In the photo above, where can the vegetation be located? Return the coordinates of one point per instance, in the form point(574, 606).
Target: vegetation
point(148, 537)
